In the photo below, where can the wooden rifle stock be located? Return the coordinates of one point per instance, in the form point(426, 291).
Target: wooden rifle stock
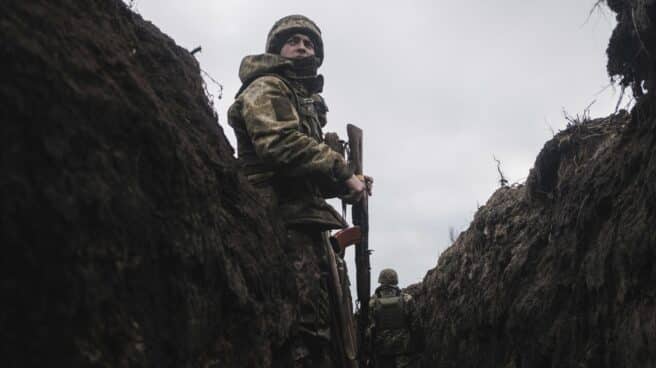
point(343, 238)
point(360, 218)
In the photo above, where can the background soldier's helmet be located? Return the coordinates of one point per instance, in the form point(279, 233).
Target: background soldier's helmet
point(388, 277)
point(289, 25)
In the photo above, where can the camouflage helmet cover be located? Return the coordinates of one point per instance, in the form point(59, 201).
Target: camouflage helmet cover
point(388, 277)
point(289, 25)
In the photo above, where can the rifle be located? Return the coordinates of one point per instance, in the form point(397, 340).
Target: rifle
point(360, 218)
point(344, 238)
point(341, 323)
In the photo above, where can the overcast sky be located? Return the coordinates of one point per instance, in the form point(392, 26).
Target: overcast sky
point(439, 87)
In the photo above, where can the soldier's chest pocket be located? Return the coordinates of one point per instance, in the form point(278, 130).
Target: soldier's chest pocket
point(310, 123)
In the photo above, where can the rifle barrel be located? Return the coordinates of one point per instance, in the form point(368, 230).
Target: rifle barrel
point(360, 217)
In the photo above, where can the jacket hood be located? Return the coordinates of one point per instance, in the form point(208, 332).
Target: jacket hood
point(253, 66)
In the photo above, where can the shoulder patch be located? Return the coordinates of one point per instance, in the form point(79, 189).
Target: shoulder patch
point(283, 108)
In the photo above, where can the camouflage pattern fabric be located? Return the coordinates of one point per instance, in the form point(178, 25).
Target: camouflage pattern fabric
point(313, 340)
point(388, 277)
point(278, 123)
point(278, 117)
point(312, 343)
point(288, 26)
point(394, 343)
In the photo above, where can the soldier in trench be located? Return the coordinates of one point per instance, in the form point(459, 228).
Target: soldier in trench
point(395, 334)
point(277, 117)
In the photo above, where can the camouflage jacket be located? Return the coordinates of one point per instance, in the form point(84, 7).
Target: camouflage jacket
point(394, 327)
point(278, 120)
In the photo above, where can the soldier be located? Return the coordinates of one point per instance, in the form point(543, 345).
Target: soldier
point(395, 333)
point(278, 116)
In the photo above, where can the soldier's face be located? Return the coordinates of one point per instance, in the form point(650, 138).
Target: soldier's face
point(297, 46)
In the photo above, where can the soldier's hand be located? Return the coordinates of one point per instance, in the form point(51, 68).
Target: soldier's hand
point(369, 183)
point(356, 188)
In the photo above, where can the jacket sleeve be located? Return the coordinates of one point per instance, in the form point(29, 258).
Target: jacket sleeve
point(272, 123)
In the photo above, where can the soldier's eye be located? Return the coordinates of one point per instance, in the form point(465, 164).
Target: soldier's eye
point(294, 40)
point(308, 44)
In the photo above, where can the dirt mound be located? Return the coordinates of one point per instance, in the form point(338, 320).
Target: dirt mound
point(128, 238)
point(558, 272)
point(632, 47)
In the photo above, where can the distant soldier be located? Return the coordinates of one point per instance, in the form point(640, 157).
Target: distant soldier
point(278, 116)
point(396, 336)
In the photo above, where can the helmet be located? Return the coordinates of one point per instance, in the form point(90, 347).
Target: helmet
point(289, 25)
point(388, 277)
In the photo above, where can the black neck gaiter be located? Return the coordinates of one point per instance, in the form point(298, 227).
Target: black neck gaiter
point(304, 71)
point(306, 67)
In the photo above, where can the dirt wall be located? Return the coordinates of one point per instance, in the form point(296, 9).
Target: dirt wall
point(128, 238)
